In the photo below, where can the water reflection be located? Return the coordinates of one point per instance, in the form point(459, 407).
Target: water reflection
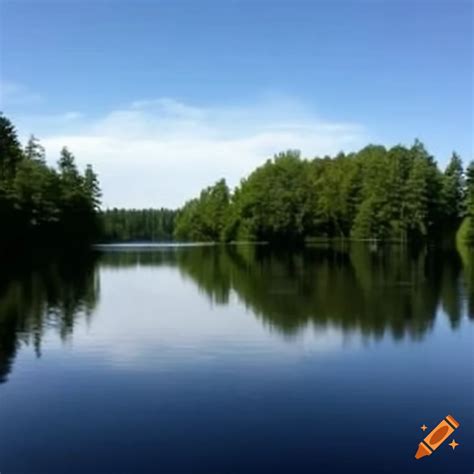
point(374, 291)
point(40, 295)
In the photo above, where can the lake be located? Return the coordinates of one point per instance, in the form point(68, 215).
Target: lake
point(237, 359)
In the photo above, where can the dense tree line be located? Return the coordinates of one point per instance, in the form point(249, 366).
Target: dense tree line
point(133, 224)
point(377, 193)
point(38, 202)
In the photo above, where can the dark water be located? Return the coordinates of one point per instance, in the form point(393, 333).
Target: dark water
point(236, 360)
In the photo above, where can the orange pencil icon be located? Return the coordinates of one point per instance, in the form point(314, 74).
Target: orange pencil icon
point(436, 437)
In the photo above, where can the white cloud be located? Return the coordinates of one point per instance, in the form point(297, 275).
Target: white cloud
point(162, 152)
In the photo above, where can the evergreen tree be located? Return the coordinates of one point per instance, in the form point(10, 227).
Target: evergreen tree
point(467, 229)
point(375, 197)
point(67, 167)
point(10, 150)
point(119, 225)
point(34, 150)
point(36, 202)
point(92, 188)
point(469, 190)
point(453, 191)
point(417, 199)
point(71, 183)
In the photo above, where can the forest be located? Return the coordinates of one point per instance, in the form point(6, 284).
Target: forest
point(122, 225)
point(396, 194)
point(39, 203)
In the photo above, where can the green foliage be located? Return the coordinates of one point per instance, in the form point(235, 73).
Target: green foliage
point(36, 201)
point(122, 225)
point(417, 198)
point(92, 188)
point(34, 151)
point(35, 189)
point(335, 194)
point(466, 230)
point(205, 219)
point(274, 202)
point(10, 150)
point(453, 190)
point(373, 217)
point(377, 194)
point(366, 222)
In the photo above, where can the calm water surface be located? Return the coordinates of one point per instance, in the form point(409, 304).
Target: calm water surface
point(236, 360)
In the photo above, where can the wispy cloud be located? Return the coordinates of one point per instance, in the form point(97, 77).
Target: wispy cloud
point(15, 94)
point(161, 152)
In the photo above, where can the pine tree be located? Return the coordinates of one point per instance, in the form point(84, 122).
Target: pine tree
point(417, 199)
point(10, 150)
point(34, 150)
point(38, 202)
point(67, 165)
point(453, 191)
point(469, 204)
point(71, 180)
point(92, 188)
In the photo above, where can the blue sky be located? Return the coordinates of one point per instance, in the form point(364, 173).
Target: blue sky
point(172, 95)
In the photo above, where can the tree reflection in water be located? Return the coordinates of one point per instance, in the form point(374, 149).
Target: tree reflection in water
point(51, 292)
point(376, 291)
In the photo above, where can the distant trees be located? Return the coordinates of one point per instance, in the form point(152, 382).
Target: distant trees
point(40, 202)
point(124, 225)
